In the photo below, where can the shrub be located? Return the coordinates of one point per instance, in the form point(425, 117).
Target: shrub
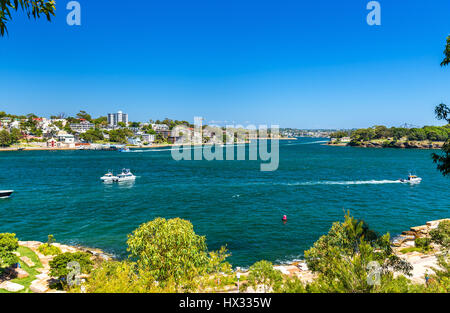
point(169, 249)
point(441, 234)
point(8, 244)
point(119, 277)
point(47, 249)
point(423, 243)
point(58, 266)
point(263, 274)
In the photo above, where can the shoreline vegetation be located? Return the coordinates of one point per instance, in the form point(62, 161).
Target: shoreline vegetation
point(415, 261)
point(427, 137)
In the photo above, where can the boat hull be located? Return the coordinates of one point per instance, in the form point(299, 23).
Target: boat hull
point(6, 193)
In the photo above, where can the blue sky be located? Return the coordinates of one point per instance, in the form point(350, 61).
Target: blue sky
point(305, 64)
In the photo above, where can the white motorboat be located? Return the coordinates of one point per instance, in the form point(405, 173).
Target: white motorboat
point(108, 177)
point(412, 179)
point(5, 193)
point(126, 175)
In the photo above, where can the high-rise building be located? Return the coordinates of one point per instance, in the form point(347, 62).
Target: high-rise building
point(115, 118)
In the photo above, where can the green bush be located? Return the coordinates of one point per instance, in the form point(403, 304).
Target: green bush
point(441, 234)
point(169, 249)
point(58, 266)
point(8, 244)
point(423, 243)
point(263, 274)
point(47, 249)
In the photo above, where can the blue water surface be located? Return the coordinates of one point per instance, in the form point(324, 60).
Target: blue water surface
point(232, 203)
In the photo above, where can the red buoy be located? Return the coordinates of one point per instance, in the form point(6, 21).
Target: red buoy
point(284, 218)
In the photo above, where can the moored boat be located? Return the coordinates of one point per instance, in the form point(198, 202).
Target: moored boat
point(5, 193)
point(126, 175)
point(108, 177)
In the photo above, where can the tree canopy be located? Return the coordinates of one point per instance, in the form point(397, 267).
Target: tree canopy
point(32, 8)
point(446, 60)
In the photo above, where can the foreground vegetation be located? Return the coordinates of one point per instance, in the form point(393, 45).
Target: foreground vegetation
point(168, 256)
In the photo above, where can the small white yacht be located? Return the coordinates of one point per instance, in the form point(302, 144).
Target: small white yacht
point(412, 179)
point(126, 175)
point(108, 177)
point(5, 193)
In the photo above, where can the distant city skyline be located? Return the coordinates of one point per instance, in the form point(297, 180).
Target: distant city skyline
point(300, 64)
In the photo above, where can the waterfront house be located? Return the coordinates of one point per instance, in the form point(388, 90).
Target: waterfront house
point(52, 143)
point(65, 138)
point(149, 138)
point(135, 141)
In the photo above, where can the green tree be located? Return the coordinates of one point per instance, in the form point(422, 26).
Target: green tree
point(417, 134)
point(169, 250)
point(16, 135)
point(263, 274)
point(58, 266)
point(34, 8)
point(446, 60)
point(441, 234)
point(443, 160)
point(92, 135)
point(343, 258)
point(102, 120)
point(5, 138)
point(8, 244)
point(84, 115)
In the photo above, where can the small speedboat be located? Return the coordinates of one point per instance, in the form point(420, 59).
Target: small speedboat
point(108, 177)
point(412, 179)
point(126, 175)
point(5, 193)
point(124, 149)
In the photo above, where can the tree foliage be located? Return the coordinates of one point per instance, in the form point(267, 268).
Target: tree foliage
point(446, 60)
point(263, 274)
point(345, 258)
point(443, 160)
point(58, 266)
point(32, 8)
point(8, 244)
point(170, 251)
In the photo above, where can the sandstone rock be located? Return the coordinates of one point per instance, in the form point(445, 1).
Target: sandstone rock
point(27, 261)
point(43, 276)
point(21, 273)
point(420, 229)
point(39, 286)
point(434, 224)
point(11, 287)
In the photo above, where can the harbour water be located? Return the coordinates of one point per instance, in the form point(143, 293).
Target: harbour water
point(232, 203)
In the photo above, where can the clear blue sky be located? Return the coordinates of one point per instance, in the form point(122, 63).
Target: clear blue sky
point(305, 64)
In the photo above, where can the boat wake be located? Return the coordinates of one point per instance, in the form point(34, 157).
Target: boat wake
point(356, 182)
point(343, 183)
point(306, 143)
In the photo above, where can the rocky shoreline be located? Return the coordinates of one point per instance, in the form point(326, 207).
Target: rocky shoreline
point(42, 281)
point(397, 144)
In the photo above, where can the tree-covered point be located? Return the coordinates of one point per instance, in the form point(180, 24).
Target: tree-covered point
point(432, 133)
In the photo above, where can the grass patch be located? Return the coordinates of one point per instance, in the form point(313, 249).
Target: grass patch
point(414, 249)
point(32, 271)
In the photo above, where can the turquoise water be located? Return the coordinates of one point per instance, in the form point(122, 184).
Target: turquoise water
point(230, 202)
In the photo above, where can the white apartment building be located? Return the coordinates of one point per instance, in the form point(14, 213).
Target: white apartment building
point(115, 118)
